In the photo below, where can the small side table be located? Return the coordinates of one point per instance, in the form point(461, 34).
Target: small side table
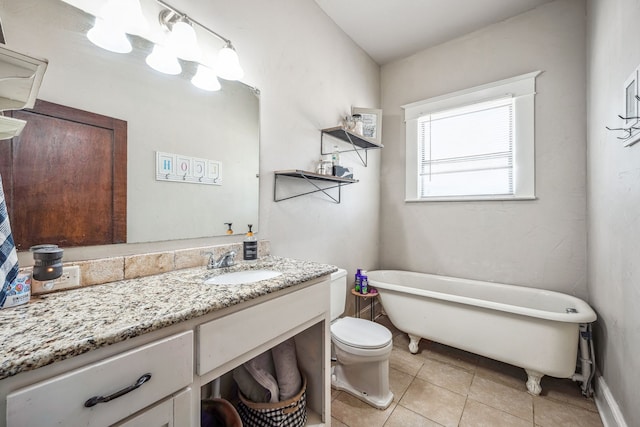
point(359, 297)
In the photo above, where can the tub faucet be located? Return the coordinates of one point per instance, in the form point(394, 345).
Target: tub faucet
point(226, 260)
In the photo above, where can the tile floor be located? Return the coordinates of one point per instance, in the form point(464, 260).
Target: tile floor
point(443, 386)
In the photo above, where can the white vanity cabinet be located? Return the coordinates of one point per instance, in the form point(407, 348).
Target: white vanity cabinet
point(304, 314)
point(182, 359)
point(94, 395)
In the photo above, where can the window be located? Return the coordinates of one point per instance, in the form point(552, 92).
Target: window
point(475, 144)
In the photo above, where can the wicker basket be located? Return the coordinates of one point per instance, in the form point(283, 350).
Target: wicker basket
point(288, 413)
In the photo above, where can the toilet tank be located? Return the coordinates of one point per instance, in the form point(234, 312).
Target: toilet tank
point(338, 293)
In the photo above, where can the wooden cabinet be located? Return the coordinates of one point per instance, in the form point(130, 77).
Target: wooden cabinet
point(67, 163)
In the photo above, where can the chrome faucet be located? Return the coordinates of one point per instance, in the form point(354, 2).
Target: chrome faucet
point(226, 260)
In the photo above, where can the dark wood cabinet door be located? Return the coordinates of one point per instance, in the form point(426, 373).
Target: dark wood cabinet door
point(68, 178)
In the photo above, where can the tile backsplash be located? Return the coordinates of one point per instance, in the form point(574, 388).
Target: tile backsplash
point(114, 269)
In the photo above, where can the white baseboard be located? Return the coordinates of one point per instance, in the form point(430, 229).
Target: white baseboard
point(607, 405)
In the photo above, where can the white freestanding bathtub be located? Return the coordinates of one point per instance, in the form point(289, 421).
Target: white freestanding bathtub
point(534, 329)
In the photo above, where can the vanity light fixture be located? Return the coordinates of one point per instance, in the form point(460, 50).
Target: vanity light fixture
point(118, 17)
point(227, 64)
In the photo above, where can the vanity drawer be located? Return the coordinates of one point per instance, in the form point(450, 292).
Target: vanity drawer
point(229, 337)
point(61, 400)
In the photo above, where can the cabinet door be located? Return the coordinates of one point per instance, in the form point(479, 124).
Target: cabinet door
point(159, 416)
point(170, 413)
point(67, 163)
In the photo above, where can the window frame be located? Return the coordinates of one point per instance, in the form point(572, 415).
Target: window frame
point(522, 90)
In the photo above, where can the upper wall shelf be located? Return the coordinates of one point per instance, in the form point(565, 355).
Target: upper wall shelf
point(358, 142)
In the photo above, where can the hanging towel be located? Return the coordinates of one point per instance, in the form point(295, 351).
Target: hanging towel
point(8, 255)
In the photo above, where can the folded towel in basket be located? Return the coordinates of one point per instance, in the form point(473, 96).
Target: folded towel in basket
point(287, 373)
point(262, 370)
point(249, 387)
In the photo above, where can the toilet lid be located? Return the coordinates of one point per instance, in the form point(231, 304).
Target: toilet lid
point(360, 333)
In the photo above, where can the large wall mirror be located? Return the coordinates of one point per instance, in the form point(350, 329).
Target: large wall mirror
point(164, 114)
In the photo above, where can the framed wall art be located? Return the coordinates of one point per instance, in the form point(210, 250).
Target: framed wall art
point(372, 122)
point(630, 108)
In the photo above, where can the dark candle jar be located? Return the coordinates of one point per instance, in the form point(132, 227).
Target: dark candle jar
point(47, 262)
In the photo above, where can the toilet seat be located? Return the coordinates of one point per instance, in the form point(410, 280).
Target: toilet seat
point(360, 333)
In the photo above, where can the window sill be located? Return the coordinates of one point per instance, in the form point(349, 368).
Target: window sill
point(471, 199)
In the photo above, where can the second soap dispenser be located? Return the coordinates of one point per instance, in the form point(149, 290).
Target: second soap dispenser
point(250, 246)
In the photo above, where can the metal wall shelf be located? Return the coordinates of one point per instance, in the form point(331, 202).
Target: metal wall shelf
point(358, 142)
point(316, 180)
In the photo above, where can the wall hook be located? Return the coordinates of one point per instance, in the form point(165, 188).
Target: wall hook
point(629, 118)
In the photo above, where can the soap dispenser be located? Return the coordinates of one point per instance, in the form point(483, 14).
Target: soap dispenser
point(250, 246)
point(229, 229)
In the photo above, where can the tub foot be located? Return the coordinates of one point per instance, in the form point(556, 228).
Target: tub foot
point(533, 382)
point(413, 343)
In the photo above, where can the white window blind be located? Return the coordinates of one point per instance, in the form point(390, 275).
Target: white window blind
point(473, 144)
point(467, 151)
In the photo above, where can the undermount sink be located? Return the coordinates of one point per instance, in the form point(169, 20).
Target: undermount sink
point(241, 277)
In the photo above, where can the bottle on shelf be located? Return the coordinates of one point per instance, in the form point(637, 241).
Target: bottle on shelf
point(335, 158)
point(358, 281)
point(358, 124)
point(250, 246)
point(364, 284)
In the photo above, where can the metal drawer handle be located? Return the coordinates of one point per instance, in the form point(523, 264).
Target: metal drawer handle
point(103, 399)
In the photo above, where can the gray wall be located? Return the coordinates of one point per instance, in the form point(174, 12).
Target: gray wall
point(614, 202)
point(307, 82)
point(539, 243)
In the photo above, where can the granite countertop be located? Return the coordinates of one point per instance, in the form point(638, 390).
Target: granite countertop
point(61, 325)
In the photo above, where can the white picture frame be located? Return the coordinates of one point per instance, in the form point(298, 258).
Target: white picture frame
point(630, 109)
point(372, 120)
point(630, 105)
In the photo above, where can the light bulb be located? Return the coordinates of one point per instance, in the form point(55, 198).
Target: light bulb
point(228, 63)
point(162, 59)
point(183, 41)
point(127, 14)
point(109, 37)
point(206, 79)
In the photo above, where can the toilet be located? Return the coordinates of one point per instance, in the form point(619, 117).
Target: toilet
point(362, 349)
